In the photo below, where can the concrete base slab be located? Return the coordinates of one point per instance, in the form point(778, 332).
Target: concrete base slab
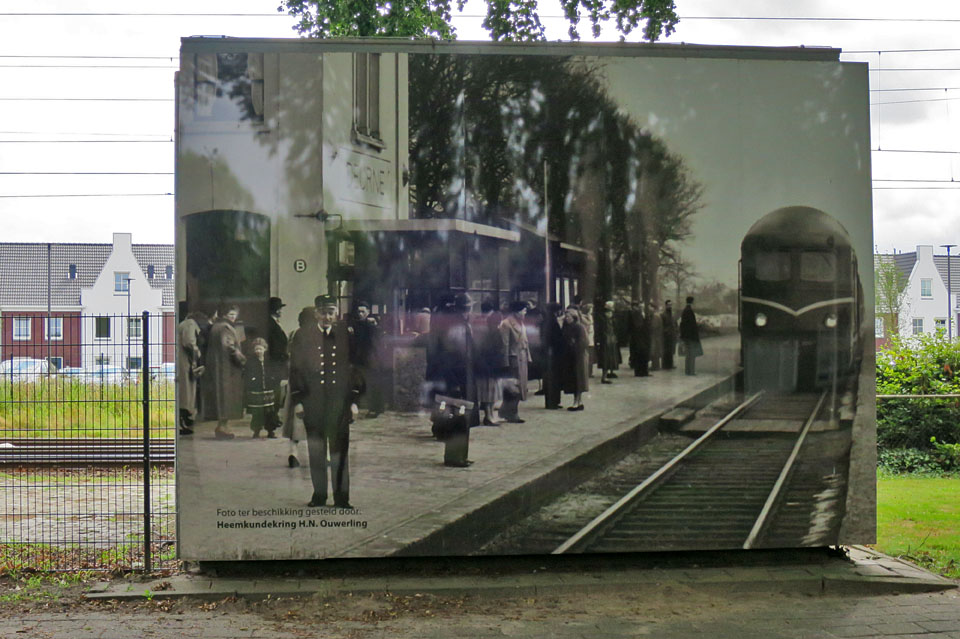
point(862, 571)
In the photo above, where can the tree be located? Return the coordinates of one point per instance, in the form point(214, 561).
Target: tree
point(516, 20)
point(891, 292)
point(539, 141)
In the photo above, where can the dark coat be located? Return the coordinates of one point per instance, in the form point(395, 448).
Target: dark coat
point(222, 383)
point(323, 378)
point(552, 335)
point(258, 383)
point(608, 348)
point(688, 325)
point(669, 328)
point(575, 365)
point(367, 334)
point(277, 345)
point(453, 354)
point(639, 327)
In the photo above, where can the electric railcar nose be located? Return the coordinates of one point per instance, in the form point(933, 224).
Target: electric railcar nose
point(800, 301)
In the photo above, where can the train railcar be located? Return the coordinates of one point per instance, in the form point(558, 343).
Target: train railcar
point(800, 302)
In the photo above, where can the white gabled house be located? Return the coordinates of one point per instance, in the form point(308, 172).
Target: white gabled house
point(926, 309)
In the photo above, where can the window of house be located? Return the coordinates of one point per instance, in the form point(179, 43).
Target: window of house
point(102, 360)
point(102, 328)
point(150, 271)
point(169, 272)
point(134, 327)
point(56, 362)
point(121, 282)
point(926, 288)
point(878, 327)
point(366, 98)
point(53, 328)
point(917, 325)
point(134, 362)
point(229, 86)
point(940, 324)
point(72, 272)
point(21, 328)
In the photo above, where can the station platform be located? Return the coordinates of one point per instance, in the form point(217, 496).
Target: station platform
point(236, 498)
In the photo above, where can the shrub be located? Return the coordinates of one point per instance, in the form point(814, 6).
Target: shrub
point(921, 365)
point(912, 460)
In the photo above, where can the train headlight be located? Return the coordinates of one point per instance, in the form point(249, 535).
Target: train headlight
point(760, 320)
point(830, 321)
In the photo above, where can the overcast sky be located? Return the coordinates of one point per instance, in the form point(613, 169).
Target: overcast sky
point(45, 105)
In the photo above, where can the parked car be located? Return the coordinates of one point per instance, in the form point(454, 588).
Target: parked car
point(106, 375)
point(73, 372)
point(24, 369)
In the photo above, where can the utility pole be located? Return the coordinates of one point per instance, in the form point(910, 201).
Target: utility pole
point(949, 294)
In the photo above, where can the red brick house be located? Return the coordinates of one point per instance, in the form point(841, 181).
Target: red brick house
point(67, 303)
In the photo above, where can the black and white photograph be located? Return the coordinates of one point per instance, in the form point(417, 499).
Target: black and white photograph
point(493, 299)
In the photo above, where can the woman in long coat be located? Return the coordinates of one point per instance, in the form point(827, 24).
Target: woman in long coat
point(224, 374)
point(487, 360)
point(586, 318)
point(188, 368)
point(575, 368)
point(516, 359)
point(608, 347)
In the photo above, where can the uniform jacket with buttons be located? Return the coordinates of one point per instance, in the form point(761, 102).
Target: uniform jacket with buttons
point(322, 371)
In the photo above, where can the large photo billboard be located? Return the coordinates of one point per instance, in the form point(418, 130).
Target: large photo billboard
point(476, 299)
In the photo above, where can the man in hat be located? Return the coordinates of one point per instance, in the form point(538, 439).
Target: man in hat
point(323, 380)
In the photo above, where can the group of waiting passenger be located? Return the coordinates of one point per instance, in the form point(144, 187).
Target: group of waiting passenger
point(489, 358)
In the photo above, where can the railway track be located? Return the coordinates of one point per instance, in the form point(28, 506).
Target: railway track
point(84, 452)
point(731, 492)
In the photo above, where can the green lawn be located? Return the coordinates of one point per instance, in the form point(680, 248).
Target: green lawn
point(918, 518)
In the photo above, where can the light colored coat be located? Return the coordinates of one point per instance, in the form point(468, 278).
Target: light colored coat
point(516, 350)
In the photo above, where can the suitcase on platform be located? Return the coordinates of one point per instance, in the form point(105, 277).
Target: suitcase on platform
point(450, 421)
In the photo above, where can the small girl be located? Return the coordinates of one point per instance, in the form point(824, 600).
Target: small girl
point(258, 391)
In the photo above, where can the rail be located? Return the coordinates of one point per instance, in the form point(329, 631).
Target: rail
point(610, 514)
point(761, 522)
point(84, 452)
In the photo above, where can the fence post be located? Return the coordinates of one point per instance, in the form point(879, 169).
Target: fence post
point(145, 385)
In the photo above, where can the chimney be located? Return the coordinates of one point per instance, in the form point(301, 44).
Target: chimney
point(123, 242)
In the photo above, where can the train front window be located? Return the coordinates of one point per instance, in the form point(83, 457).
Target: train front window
point(773, 267)
point(818, 266)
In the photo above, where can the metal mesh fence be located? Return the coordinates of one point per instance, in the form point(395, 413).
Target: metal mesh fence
point(87, 426)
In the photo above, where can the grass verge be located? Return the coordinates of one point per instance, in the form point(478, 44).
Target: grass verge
point(918, 518)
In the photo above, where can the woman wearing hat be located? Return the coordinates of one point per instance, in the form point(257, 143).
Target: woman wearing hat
point(224, 376)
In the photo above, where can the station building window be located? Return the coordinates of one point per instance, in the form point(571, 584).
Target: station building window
point(366, 98)
point(228, 87)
